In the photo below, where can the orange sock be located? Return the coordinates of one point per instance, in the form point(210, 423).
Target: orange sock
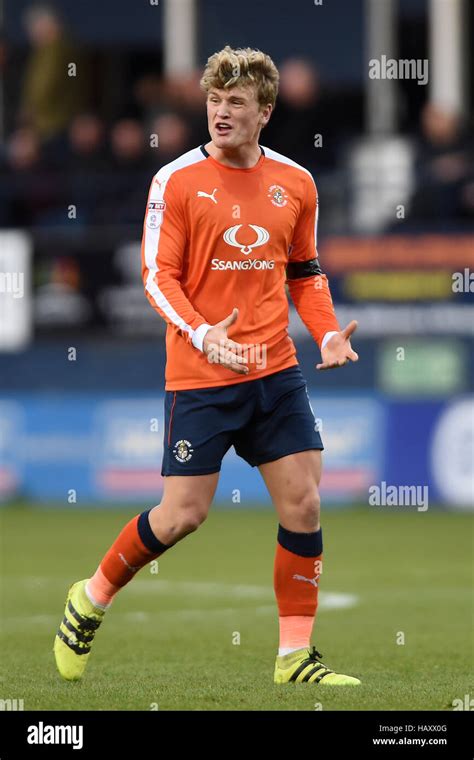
point(134, 548)
point(295, 632)
point(100, 590)
point(296, 577)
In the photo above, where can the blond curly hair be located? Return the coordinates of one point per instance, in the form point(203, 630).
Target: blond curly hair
point(242, 67)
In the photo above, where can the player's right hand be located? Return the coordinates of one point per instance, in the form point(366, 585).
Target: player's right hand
point(222, 350)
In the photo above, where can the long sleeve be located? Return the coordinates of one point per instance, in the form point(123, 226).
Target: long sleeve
point(163, 246)
point(307, 284)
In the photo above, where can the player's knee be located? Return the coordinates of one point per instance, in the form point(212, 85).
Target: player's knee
point(175, 517)
point(304, 510)
point(189, 518)
point(310, 507)
point(190, 523)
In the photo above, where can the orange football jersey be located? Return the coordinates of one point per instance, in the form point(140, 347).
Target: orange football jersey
point(215, 237)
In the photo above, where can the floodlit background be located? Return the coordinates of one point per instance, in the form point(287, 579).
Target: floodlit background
point(95, 97)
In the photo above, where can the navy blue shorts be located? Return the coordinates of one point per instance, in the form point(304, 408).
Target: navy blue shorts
point(263, 419)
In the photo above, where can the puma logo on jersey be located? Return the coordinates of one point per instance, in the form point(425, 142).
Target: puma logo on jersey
point(263, 236)
point(309, 580)
point(202, 194)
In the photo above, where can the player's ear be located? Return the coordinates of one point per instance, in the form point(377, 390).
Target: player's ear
point(266, 113)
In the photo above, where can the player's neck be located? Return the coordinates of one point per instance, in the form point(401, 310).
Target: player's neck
point(244, 157)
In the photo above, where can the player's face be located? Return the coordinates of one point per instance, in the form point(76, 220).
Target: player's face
point(235, 117)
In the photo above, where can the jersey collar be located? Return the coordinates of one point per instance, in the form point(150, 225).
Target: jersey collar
point(233, 168)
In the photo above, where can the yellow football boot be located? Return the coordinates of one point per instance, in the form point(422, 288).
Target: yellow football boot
point(78, 627)
point(305, 666)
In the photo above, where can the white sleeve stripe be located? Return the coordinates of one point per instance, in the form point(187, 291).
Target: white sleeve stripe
point(163, 303)
point(152, 239)
point(275, 156)
point(316, 217)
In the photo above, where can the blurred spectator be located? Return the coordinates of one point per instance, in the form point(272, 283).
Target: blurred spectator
point(6, 85)
point(148, 95)
point(299, 115)
point(467, 198)
point(173, 137)
point(29, 189)
point(189, 101)
point(179, 95)
point(52, 94)
point(125, 185)
point(87, 143)
point(23, 150)
point(444, 168)
point(128, 145)
point(443, 144)
point(85, 167)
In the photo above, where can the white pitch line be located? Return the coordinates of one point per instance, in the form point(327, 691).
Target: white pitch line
point(160, 586)
point(155, 585)
point(203, 588)
point(326, 601)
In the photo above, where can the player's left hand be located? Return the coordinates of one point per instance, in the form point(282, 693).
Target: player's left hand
point(338, 350)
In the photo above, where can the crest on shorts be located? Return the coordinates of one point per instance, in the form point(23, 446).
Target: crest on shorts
point(183, 451)
point(277, 195)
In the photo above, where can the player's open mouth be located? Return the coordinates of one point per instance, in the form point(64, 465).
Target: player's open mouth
point(222, 128)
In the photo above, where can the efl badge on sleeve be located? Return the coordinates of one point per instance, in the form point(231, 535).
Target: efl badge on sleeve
point(154, 214)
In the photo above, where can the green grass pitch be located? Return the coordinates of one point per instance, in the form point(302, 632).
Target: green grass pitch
point(169, 640)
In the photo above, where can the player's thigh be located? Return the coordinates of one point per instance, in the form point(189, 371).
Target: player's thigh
point(190, 491)
point(293, 484)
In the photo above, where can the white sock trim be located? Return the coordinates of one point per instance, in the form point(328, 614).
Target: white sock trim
point(94, 601)
point(287, 650)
